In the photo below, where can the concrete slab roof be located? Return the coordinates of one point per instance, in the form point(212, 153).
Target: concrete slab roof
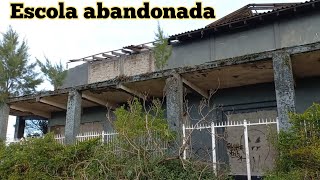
point(225, 73)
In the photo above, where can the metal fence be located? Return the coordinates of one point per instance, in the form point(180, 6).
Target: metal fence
point(105, 137)
point(212, 128)
point(151, 142)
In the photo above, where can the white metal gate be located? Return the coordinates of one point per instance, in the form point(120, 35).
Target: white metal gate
point(212, 127)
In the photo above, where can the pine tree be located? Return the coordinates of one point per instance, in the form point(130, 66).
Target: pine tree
point(55, 73)
point(162, 51)
point(17, 74)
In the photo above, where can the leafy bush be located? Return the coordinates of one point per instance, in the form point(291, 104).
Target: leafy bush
point(136, 120)
point(299, 147)
point(46, 159)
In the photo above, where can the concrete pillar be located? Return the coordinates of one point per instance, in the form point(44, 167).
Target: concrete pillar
point(73, 117)
point(4, 117)
point(19, 127)
point(284, 87)
point(174, 101)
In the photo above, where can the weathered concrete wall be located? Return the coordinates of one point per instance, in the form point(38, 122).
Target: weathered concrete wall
point(123, 66)
point(76, 76)
point(258, 101)
point(300, 30)
point(307, 93)
point(247, 99)
point(138, 64)
point(100, 71)
point(98, 115)
point(290, 32)
point(262, 153)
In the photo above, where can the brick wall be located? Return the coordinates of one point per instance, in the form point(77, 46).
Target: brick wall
point(126, 65)
point(138, 64)
point(101, 71)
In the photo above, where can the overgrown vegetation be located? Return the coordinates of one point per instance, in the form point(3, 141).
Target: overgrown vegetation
point(137, 120)
point(299, 147)
point(161, 51)
point(131, 159)
point(47, 159)
point(54, 73)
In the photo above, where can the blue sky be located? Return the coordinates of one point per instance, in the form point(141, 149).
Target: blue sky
point(71, 39)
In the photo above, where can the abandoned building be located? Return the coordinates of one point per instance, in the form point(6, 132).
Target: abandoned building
point(261, 61)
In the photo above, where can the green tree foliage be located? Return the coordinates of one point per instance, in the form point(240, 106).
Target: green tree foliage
point(162, 51)
point(299, 147)
point(17, 73)
point(55, 73)
point(135, 120)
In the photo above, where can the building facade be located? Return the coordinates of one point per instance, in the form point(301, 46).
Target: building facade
point(248, 66)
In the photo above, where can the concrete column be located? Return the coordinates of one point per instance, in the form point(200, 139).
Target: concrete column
point(174, 101)
point(19, 127)
point(4, 117)
point(73, 117)
point(284, 87)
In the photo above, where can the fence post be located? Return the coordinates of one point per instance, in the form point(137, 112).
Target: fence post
point(184, 141)
point(278, 125)
point(246, 142)
point(102, 137)
point(214, 156)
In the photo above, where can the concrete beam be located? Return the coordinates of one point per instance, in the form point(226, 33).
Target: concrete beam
point(174, 103)
point(169, 72)
point(99, 101)
point(284, 87)
point(4, 117)
point(73, 117)
point(194, 87)
point(51, 103)
point(34, 112)
point(132, 91)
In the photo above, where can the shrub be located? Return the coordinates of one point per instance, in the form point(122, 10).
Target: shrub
point(46, 159)
point(299, 147)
